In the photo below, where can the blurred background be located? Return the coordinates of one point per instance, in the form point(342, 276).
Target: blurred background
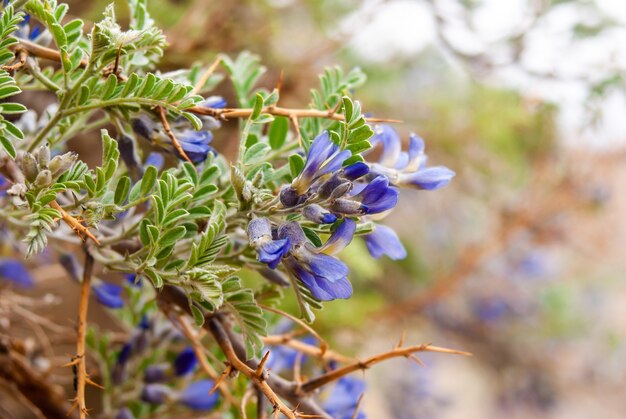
point(521, 259)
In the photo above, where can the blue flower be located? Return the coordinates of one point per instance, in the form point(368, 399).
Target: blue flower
point(195, 144)
point(323, 157)
point(490, 309)
point(344, 398)
point(156, 160)
point(157, 373)
point(109, 295)
point(407, 169)
point(196, 396)
point(324, 275)
point(16, 272)
point(376, 197)
point(356, 170)
point(185, 362)
point(214, 102)
point(133, 280)
point(3, 186)
point(156, 393)
point(124, 413)
point(384, 241)
point(269, 251)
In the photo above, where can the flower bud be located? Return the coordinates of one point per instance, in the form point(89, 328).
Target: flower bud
point(259, 230)
point(341, 190)
point(319, 215)
point(61, 164)
point(293, 232)
point(185, 362)
point(157, 373)
point(29, 167)
point(156, 393)
point(329, 186)
point(43, 156)
point(289, 197)
point(125, 413)
point(44, 178)
point(348, 207)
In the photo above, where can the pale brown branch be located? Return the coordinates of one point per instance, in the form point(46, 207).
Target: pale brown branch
point(161, 112)
point(323, 343)
point(334, 375)
point(36, 50)
point(80, 230)
point(224, 342)
point(226, 113)
point(20, 60)
point(199, 351)
point(305, 348)
point(81, 369)
point(205, 76)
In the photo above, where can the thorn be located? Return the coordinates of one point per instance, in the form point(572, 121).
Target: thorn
point(401, 341)
point(74, 406)
point(415, 359)
point(279, 84)
point(259, 369)
point(221, 378)
point(90, 381)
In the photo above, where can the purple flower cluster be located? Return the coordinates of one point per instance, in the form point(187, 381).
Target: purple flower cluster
point(329, 191)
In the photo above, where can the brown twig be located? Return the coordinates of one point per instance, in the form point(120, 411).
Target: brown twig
point(36, 50)
point(205, 76)
point(199, 351)
point(45, 397)
point(305, 348)
point(20, 60)
point(80, 360)
point(226, 113)
point(80, 230)
point(323, 343)
point(258, 379)
point(331, 376)
point(161, 112)
point(288, 390)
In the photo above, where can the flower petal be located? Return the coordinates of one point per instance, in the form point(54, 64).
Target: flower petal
point(109, 295)
point(185, 362)
point(384, 241)
point(16, 272)
point(340, 238)
point(431, 178)
point(196, 396)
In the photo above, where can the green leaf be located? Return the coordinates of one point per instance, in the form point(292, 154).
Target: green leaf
point(13, 130)
point(347, 108)
point(9, 90)
point(8, 146)
point(278, 132)
point(154, 277)
point(197, 314)
point(172, 235)
point(109, 86)
point(121, 191)
point(296, 164)
point(255, 153)
point(258, 106)
point(12, 108)
point(148, 180)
